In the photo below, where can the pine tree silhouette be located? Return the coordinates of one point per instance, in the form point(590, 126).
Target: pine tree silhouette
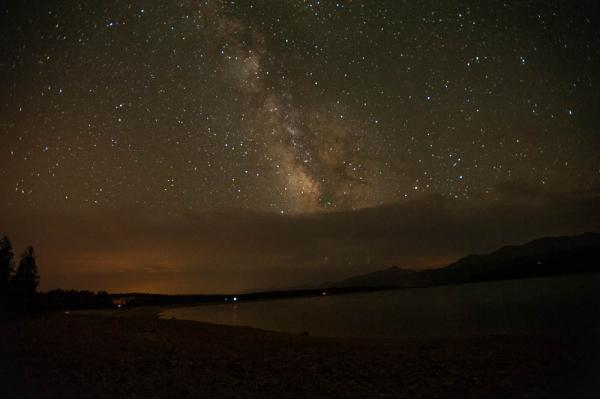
point(26, 278)
point(6, 266)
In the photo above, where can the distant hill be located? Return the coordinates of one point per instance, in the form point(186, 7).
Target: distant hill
point(541, 257)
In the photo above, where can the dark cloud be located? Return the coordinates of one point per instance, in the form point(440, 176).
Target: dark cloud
point(129, 249)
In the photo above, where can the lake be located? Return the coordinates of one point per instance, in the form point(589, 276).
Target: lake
point(549, 304)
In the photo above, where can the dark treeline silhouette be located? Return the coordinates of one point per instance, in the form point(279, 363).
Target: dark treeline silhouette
point(18, 286)
point(74, 299)
point(7, 266)
point(147, 299)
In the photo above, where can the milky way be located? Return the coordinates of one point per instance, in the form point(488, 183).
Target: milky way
point(293, 106)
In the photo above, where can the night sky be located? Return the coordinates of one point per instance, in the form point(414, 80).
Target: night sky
point(191, 146)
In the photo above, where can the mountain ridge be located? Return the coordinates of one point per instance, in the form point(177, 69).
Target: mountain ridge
point(540, 257)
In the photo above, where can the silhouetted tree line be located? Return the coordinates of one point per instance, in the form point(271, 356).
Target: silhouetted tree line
point(75, 299)
point(18, 286)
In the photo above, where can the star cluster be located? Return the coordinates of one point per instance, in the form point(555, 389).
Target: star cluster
point(293, 106)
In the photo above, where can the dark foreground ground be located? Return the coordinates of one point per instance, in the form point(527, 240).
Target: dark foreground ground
point(97, 355)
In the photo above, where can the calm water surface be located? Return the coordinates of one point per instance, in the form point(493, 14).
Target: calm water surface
point(553, 304)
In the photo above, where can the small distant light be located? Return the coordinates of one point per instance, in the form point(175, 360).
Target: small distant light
point(323, 293)
point(235, 298)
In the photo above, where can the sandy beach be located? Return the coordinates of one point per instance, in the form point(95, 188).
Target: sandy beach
point(135, 354)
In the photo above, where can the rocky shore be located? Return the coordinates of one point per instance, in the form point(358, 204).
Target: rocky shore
point(134, 354)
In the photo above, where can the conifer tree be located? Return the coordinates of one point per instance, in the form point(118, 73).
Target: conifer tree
point(26, 278)
point(6, 265)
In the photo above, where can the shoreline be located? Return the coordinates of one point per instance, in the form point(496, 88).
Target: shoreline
point(135, 353)
point(268, 296)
